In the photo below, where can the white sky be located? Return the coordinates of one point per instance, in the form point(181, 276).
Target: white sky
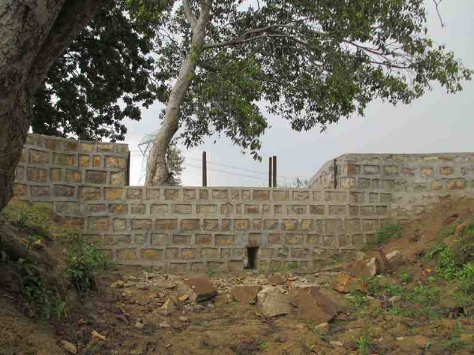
point(438, 122)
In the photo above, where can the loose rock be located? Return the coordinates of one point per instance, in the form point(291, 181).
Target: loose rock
point(198, 289)
point(69, 347)
point(272, 302)
point(245, 293)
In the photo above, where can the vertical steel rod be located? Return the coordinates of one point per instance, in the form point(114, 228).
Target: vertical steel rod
point(204, 169)
point(270, 172)
point(275, 171)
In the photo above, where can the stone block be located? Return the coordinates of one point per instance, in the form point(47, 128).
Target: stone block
point(363, 184)
point(353, 210)
point(356, 197)
point(98, 224)
point(67, 207)
point(278, 209)
point(220, 194)
point(456, 184)
point(226, 224)
point(160, 239)
point(282, 253)
point(182, 209)
point(370, 225)
point(329, 241)
point(64, 159)
point(235, 195)
point(188, 253)
point(115, 162)
point(251, 209)
point(301, 196)
point(211, 224)
point(367, 211)
point(129, 253)
point(261, 195)
point(373, 197)
point(294, 239)
point(392, 170)
point(333, 226)
point(134, 194)
point(225, 240)
point(37, 175)
point(353, 225)
point(172, 253)
point(24, 156)
point(141, 224)
point(86, 147)
point(64, 191)
point(209, 253)
point(270, 224)
point(245, 195)
point(117, 178)
point(241, 224)
point(153, 194)
point(189, 195)
point(138, 209)
point(152, 254)
point(337, 210)
point(84, 161)
point(178, 268)
point(299, 253)
point(113, 193)
point(437, 185)
point(371, 169)
point(381, 210)
point(190, 224)
point(427, 172)
point(118, 208)
point(289, 224)
point(96, 207)
point(118, 240)
point(317, 210)
point(97, 161)
point(314, 239)
point(236, 265)
point(347, 183)
point(204, 194)
point(203, 239)
point(166, 224)
point(280, 195)
point(55, 175)
point(344, 241)
point(385, 198)
point(105, 147)
point(358, 240)
point(408, 172)
point(70, 146)
point(296, 209)
point(307, 224)
point(159, 209)
point(74, 223)
point(226, 209)
point(332, 196)
point(275, 238)
point(39, 157)
point(171, 195)
point(254, 239)
point(119, 224)
point(182, 239)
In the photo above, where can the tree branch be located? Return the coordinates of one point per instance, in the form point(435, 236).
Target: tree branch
point(188, 12)
point(437, 3)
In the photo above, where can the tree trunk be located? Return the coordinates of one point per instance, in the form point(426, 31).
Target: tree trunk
point(33, 34)
point(157, 170)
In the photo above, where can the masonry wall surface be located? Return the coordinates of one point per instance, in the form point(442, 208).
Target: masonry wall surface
point(187, 228)
point(416, 181)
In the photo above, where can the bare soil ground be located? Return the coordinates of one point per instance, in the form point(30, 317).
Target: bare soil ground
point(125, 315)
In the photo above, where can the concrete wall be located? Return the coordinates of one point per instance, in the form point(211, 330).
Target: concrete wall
point(416, 181)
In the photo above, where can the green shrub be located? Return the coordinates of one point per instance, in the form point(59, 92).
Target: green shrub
point(463, 248)
point(25, 216)
point(82, 262)
point(385, 234)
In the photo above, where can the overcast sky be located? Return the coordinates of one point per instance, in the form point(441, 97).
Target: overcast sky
point(438, 122)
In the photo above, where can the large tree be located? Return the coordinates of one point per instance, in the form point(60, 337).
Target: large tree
point(311, 62)
point(33, 34)
point(104, 76)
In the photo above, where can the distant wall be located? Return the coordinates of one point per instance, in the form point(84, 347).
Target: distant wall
point(186, 228)
point(416, 181)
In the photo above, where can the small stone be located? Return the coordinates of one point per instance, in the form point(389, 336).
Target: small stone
point(348, 284)
point(183, 298)
point(323, 327)
point(129, 284)
point(272, 302)
point(165, 325)
point(69, 347)
point(171, 305)
point(139, 325)
point(97, 335)
point(197, 289)
point(117, 284)
point(395, 259)
point(184, 319)
point(276, 280)
point(336, 343)
point(395, 299)
point(245, 293)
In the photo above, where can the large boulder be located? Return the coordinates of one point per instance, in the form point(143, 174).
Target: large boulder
point(197, 289)
point(276, 280)
point(312, 305)
point(347, 284)
point(272, 302)
point(364, 268)
point(245, 293)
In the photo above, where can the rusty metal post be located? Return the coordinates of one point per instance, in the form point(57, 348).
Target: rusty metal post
point(270, 172)
point(204, 169)
point(275, 171)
